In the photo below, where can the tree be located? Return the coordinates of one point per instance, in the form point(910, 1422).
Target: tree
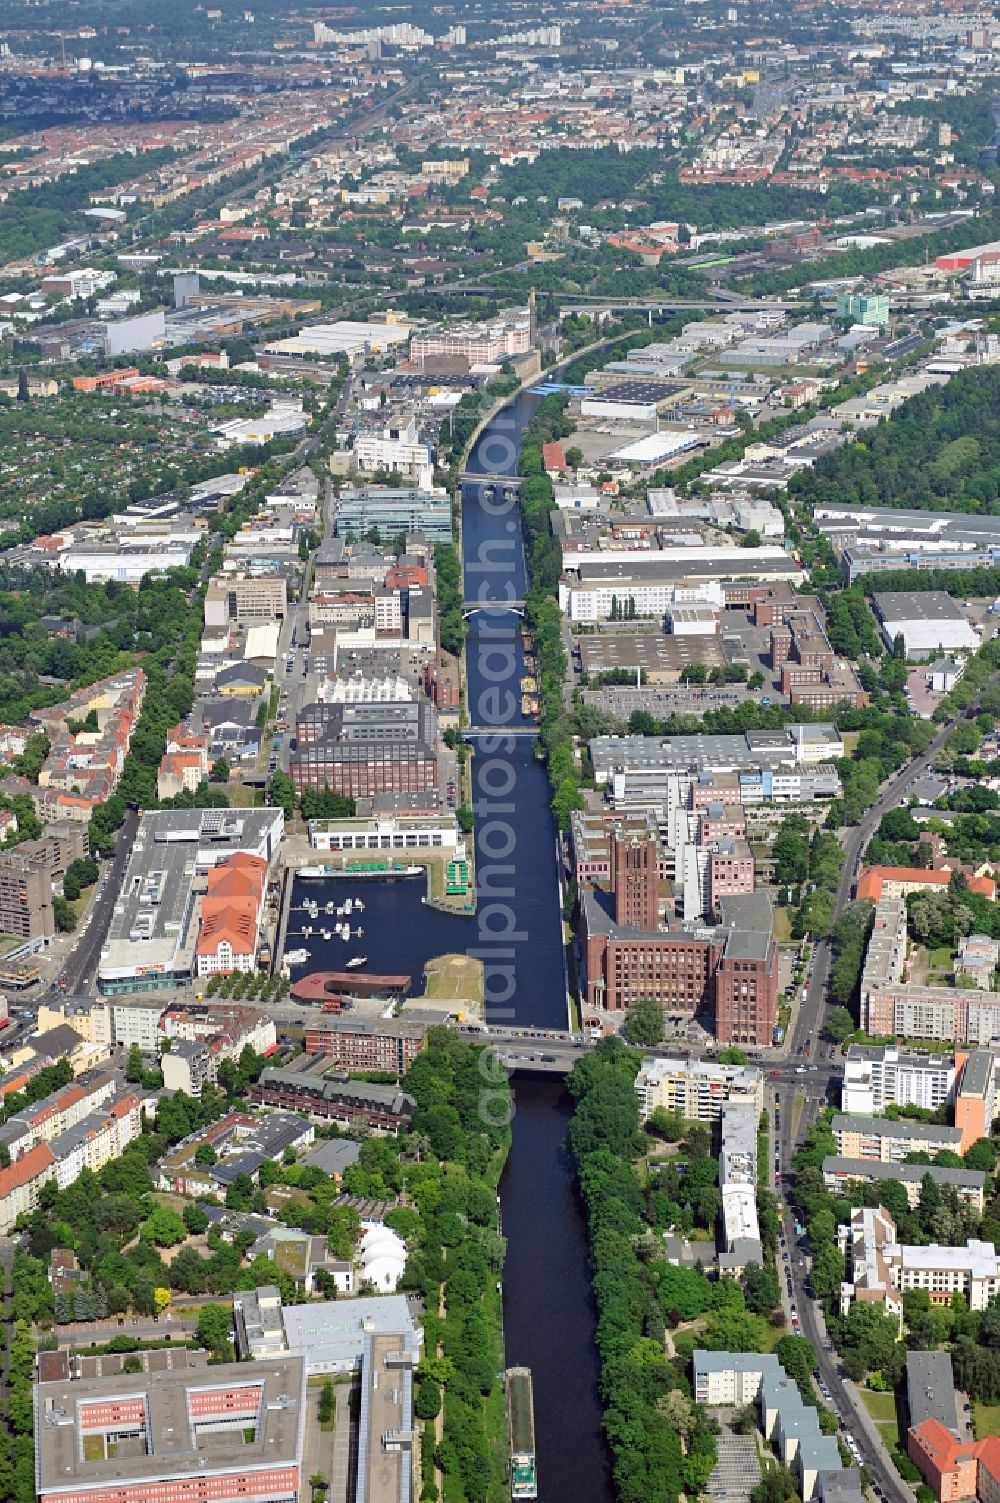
point(838, 1024)
point(982, 1155)
point(665, 1124)
point(215, 1331)
point(574, 457)
point(282, 792)
point(798, 1357)
point(790, 850)
point(163, 1228)
point(63, 913)
point(195, 1219)
point(326, 1407)
point(776, 1486)
point(134, 1067)
point(219, 771)
point(427, 1403)
point(697, 1142)
point(743, 1421)
point(644, 1022)
point(761, 1289)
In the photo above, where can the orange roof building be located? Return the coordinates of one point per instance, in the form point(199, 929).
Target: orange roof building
point(553, 457)
point(231, 914)
point(21, 1183)
point(899, 881)
point(954, 1468)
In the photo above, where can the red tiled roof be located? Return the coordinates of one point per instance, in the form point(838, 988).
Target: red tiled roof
point(23, 1170)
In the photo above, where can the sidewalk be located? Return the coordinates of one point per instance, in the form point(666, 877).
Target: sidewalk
point(872, 1432)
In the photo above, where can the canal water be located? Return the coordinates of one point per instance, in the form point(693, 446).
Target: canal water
point(548, 1305)
point(516, 931)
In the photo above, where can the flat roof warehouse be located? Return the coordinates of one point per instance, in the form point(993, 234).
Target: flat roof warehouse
point(656, 447)
point(173, 1419)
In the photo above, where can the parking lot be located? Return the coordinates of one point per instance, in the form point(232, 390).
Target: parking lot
point(737, 1470)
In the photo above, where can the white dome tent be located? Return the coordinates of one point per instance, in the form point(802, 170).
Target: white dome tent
point(383, 1257)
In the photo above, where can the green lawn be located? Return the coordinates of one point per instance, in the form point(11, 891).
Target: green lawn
point(782, 925)
point(985, 1420)
point(882, 1408)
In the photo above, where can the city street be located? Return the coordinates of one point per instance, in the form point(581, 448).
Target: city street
point(80, 970)
point(811, 1080)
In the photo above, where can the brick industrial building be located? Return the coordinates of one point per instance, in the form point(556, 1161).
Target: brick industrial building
point(387, 1045)
point(729, 972)
point(362, 749)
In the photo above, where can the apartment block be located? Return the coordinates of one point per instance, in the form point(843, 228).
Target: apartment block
point(697, 1089)
point(881, 1075)
point(976, 962)
point(379, 1106)
point(184, 764)
point(386, 1045)
point(740, 1240)
point(83, 765)
point(786, 1421)
point(883, 1269)
point(839, 1174)
point(888, 1141)
point(82, 1125)
point(976, 1096)
point(932, 1012)
point(731, 1379)
point(97, 1139)
point(25, 897)
point(21, 1184)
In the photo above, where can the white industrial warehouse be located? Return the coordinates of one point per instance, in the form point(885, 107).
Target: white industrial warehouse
point(929, 622)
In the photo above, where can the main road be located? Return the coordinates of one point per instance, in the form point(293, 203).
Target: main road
point(80, 969)
point(816, 1078)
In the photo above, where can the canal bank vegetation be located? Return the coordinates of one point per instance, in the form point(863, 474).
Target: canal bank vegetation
point(661, 1443)
point(449, 595)
point(542, 605)
point(653, 1314)
point(450, 1165)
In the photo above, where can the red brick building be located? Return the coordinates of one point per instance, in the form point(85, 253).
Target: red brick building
point(728, 976)
point(634, 879)
point(388, 1045)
